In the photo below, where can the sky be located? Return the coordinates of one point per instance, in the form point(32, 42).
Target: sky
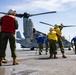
point(66, 14)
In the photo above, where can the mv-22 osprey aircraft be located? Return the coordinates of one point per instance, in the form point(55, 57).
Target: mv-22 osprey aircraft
point(29, 33)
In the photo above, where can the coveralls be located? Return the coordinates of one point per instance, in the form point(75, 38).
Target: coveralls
point(40, 41)
point(59, 34)
point(52, 41)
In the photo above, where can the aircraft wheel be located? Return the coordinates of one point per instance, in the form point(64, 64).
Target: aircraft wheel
point(32, 48)
point(69, 48)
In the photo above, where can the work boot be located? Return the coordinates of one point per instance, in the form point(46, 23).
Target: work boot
point(55, 57)
point(15, 62)
point(0, 61)
point(40, 53)
point(4, 60)
point(63, 56)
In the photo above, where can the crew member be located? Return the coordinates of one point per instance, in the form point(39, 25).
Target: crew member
point(52, 37)
point(40, 41)
point(8, 26)
point(59, 34)
point(74, 40)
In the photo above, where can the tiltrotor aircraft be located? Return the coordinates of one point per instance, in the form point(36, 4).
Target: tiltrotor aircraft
point(30, 34)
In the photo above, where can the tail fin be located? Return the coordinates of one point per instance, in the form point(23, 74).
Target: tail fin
point(18, 35)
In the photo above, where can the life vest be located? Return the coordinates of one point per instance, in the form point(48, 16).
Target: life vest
point(58, 32)
point(52, 36)
point(8, 24)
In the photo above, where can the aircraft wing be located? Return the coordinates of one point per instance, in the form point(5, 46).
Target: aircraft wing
point(66, 43)
point(37, 33)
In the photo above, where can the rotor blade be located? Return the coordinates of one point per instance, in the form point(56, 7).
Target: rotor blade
point(46, 23)
point(43, 13)
point(26, 15)
point(70, 26)
point(3, 13)
point(19, 15)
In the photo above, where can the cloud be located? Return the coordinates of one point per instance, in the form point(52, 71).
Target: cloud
point(33, 5)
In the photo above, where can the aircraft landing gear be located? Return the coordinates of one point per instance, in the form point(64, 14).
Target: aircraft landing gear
point(32, 48)
point(69, 48)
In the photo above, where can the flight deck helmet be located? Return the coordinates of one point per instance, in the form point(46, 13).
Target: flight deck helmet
point(51, 29)
point(56, 26)
point(11, 11)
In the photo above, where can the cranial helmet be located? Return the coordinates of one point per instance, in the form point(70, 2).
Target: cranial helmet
point(56, 26)
point(51, 29)
point(41, 34)
point(12, 11)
